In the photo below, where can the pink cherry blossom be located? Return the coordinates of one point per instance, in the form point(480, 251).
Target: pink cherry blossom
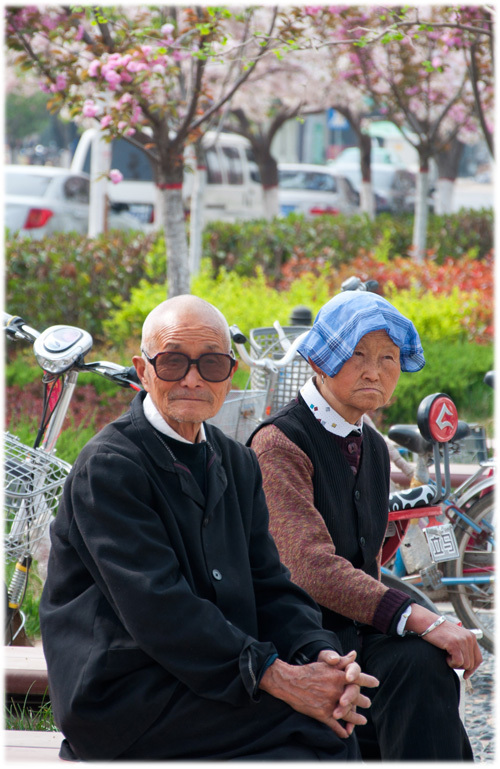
point(106, 121)
point(112, 77)
point(115, 176)
point(125, 99)
point(167, 30)
point(90, 108)
point(94, 67)
point(59, 85)
point(136, 66)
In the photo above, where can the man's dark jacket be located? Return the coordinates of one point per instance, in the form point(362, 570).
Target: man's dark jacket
point(161, 606)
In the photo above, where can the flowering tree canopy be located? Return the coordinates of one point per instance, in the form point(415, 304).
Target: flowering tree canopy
point(429, 73)
point(140, 72)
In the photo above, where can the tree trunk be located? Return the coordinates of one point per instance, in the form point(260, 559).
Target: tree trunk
point(268, 169)
point(421, 212)
point(100, 163)
point(170, 178)
point(366, 200)
point(271, 201)
point(444, 196)
point(448, 161)
point(176, 242)
point(196, 212)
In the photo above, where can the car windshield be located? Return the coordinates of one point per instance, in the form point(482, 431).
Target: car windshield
point(306, 180)
point(33, 184)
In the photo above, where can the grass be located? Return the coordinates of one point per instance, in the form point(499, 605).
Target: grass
point(26, 716)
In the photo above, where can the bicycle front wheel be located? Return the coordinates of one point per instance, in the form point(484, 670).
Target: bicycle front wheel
point(473, 601)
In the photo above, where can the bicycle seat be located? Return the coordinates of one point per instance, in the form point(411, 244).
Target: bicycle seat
point(410, 438)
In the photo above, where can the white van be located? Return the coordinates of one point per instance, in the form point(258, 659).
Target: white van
point(233, 188)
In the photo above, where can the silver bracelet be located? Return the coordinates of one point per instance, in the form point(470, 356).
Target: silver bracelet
point(435, 624)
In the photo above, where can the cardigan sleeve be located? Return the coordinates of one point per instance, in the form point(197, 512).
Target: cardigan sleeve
point(304, 543)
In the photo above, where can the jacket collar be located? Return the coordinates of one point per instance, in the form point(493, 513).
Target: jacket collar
point(166, 459)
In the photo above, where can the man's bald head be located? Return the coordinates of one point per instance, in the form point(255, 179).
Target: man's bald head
point(185, 309)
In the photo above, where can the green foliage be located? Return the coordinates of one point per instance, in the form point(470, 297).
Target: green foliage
point(68, 278)
point(249, 302)
point(21, 370)
point(24, 117)
point(436, 316)
point(456, 369)
point(78, 280)
point(339, 239)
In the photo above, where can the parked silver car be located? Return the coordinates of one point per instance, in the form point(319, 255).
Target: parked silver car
point(42, 200)
point(310, 189)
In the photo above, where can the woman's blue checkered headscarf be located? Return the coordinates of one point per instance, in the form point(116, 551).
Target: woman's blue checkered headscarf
point(341, 323)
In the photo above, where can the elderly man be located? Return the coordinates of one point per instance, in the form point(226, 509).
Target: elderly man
point(170, 627)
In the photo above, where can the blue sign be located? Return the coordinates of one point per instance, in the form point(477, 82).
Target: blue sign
point(337, 120)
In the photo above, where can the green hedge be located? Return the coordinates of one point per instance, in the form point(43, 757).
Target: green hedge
point(456, 369)
point(68, 278)
point(340, 239)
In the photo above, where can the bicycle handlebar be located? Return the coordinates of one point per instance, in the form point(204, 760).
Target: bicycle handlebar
point(124, 376)
point(268, 364)
point(16, 328)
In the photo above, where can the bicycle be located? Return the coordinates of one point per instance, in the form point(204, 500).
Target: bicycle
point(34, 475)
point(470, 577)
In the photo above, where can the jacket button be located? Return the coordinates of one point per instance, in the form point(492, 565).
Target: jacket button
point(216, 574)
point(205, 521)
point(362, 541)
point(357, 494)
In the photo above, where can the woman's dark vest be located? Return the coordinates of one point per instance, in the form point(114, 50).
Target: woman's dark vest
point(354, 507)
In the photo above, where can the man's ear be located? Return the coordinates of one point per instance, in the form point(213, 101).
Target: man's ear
point(140, 367)
point(230, 378)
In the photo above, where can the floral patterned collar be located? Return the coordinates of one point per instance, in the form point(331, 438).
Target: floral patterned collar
point(324, 413)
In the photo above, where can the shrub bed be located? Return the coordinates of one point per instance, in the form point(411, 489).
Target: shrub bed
point(68, 278)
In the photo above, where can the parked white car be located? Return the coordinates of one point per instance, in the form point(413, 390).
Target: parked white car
point(233, 189)
point(42, 200)
point(311, 190)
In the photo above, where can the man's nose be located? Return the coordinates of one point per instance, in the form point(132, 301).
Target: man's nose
point(192, 376)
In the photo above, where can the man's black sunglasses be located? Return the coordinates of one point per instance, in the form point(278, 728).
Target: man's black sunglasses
point(173, 366)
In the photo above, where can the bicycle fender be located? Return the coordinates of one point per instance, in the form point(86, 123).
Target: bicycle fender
point(487, 484)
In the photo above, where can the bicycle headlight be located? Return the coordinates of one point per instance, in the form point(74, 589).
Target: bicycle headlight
point(59, 347)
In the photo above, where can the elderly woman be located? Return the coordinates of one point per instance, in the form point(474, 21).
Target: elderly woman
point(326, 479)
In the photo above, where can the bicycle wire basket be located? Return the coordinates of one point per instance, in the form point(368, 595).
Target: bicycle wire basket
point(33, 482)
point(265, 343)
point(240, 413)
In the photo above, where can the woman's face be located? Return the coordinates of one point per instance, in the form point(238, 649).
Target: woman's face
point(366, 381)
